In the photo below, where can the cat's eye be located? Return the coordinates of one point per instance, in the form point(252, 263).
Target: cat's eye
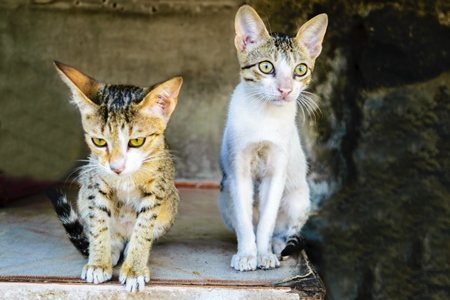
point(137, 142)
point(301, 70)
point(266, 67)
point(99, 142)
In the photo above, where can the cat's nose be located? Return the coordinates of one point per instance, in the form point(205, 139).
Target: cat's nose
point(117, 169)
point(284, 92)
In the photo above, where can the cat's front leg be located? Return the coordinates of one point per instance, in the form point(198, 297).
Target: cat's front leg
point(135, 272)
point(271, 191)
point(99, 266)
point(242, 197)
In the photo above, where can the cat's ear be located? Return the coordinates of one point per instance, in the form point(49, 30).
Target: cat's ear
point(163, 98)
point(311, 34)
point(249, 28)
point(83, 87)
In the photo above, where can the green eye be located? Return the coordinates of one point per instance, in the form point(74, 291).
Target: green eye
point(301, 70)
point(266, 67)
point(99, 142)
point(137, 142)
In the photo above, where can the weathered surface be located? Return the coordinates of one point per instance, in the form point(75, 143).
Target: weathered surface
point(193, 39)
point(19, 291)
point(196, 252)
point(380, 148)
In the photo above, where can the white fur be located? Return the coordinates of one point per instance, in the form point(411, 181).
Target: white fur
point(256, 126)
point(265, 196)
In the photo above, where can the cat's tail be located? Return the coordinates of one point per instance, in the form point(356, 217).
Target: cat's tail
point(294, 244)
point(70, 220)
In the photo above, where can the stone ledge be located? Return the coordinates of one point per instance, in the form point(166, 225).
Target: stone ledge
point(20, 290)
point(192, 261)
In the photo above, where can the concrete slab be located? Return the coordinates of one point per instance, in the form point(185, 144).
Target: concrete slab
point(195, 253)
point(20, 291)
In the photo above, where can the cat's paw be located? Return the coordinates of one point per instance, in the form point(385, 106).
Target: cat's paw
point(243, 262)
point(134, 280)
point(268, 261)
point(96, 273)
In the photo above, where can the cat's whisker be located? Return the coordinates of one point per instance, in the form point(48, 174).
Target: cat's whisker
point(315, 96)
point(84, 160)
point(155, 160)
point(308, 108)
point(304, 103)
point(79, 170)
point(310, 104)
point(174, 154)
point(70, 175)
point(309, 99)
point(303, 113)
point(315, 109)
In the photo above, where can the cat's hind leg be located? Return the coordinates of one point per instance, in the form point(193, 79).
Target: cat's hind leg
point(225, 204)
point(293, 214)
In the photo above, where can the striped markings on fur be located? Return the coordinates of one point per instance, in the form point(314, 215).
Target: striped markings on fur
point(69, 219)
point(294, 244)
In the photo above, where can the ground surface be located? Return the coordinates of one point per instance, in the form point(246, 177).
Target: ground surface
point(194, 254)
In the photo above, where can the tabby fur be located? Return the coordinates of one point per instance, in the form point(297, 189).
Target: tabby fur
point(127, 196)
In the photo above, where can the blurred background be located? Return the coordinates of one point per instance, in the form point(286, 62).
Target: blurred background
point(379, 148)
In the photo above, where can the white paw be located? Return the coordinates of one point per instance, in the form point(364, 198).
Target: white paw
point(268, 261)
point(96, 273)
point(134, 282)
point(243, 262)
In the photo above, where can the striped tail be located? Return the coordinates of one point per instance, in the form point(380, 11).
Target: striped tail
point(294, 244)
point(70, 220)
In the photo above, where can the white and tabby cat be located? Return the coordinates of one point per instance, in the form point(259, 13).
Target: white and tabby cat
point(127, 196)
point(264, 194)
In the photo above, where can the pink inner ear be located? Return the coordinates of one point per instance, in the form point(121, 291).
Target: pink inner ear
point(314, 47)
point(249, 40)
point(249, 28)
point(243, 43)
point(163, 105)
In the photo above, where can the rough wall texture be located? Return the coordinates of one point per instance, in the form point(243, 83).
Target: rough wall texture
point(138, 42)
point(379, 149)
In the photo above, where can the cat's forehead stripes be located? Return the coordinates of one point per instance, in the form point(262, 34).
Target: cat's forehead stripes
point(284, 43)
point(117, 101)
point(278, 46)
point(116, 97)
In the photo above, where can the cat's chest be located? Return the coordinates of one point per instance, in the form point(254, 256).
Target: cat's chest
point(251, 121)
point(126, 201)
point(123, 219)
point(128, 195)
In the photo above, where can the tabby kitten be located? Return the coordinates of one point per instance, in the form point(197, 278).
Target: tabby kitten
point(264, 195)
point(127, 196)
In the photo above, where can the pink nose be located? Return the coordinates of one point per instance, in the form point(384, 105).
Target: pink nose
point(284, 92)
point(117, 170)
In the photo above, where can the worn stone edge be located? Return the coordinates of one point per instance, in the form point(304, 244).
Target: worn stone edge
point(307, 286)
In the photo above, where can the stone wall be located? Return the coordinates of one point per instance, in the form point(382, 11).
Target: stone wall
point(139, 42)
point(378, 148)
